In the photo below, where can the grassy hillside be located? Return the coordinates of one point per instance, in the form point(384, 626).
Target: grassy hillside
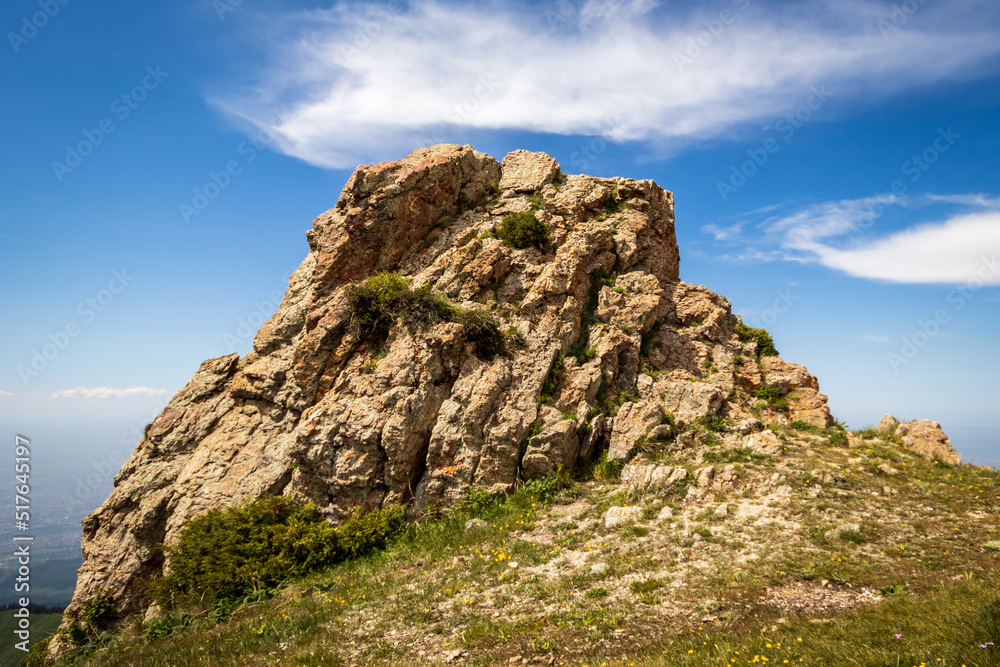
point(745, 572)
point(42, 625)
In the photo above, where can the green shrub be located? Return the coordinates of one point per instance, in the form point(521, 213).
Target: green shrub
point(85, 625)
point(523, 230)
point(765, 344)
point(38, 655)
point(381, 300)
point(483, 330)
point(605, 470)
point(552, 381)
point(229, 552)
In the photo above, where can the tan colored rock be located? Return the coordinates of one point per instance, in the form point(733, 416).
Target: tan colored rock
point(618, 516)
point(764, 442)
point(524, 171)
point(633, 421)
point(555, 447)
point(928, 440)
point(645, 476)
point(887, 425)
point(787, 377)
point(809, 406)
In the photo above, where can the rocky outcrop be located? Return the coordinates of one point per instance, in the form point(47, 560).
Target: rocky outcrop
point(319, 411)
point(923, 437)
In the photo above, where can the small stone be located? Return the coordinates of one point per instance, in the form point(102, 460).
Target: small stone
point(598, 568)
point(888, 469)
point(616, 516)
point(472, 524)
point(665, 513)
point(512, 565)
point(722, 510)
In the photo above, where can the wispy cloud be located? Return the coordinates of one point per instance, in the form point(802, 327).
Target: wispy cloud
point(874, 338)
point(357, 82)
point(106, 392)
point(962, 246)
point(5, 393)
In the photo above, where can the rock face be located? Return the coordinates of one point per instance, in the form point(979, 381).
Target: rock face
point(927, 439)
point(921, 436)
point(318, 412)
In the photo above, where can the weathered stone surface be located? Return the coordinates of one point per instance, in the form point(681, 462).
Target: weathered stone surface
point(887, 425)
point(645, 476)
point(554, 447)
point(787, 377)
point(318, 412)
point(632, 423)
point(926, 438)
point(764, 442)
point(524, 171)
point(617, 516)
point(809, 406)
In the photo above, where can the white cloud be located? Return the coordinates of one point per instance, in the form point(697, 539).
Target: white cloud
point(962, 247)
point(106, 392)
point(355, 83)
point(874, 338)
point(5, 393)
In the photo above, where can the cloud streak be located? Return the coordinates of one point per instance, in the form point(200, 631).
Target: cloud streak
point(106, 392)
point(960, 247)
point(357, 82)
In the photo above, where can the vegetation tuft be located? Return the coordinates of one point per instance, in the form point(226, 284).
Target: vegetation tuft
point(380, 301)
point(765, 344)
point(523, 230)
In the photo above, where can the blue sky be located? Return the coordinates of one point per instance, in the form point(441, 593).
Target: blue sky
point(834, 166)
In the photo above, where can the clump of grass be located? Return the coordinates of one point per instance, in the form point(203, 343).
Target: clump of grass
point(524, 230)
point(765, 343)
point(604, 470)
point(737, 455)
point(773, 396)
point(712, 423)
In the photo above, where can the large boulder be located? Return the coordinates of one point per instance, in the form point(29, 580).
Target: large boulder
point(926, 438)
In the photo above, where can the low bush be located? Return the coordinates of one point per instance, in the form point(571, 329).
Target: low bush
point(230, 552)
point(380, 301)
point(523, 230)
point(765, 344)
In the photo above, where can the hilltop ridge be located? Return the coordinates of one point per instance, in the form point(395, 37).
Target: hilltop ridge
point(460, 323)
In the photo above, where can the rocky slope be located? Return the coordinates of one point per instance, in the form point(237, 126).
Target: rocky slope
point(617, 354)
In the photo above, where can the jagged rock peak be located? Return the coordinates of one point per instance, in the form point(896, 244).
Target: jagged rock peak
point(616, 354)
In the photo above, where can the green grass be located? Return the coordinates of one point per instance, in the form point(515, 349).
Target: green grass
point(41, 626)
point(944, 627)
